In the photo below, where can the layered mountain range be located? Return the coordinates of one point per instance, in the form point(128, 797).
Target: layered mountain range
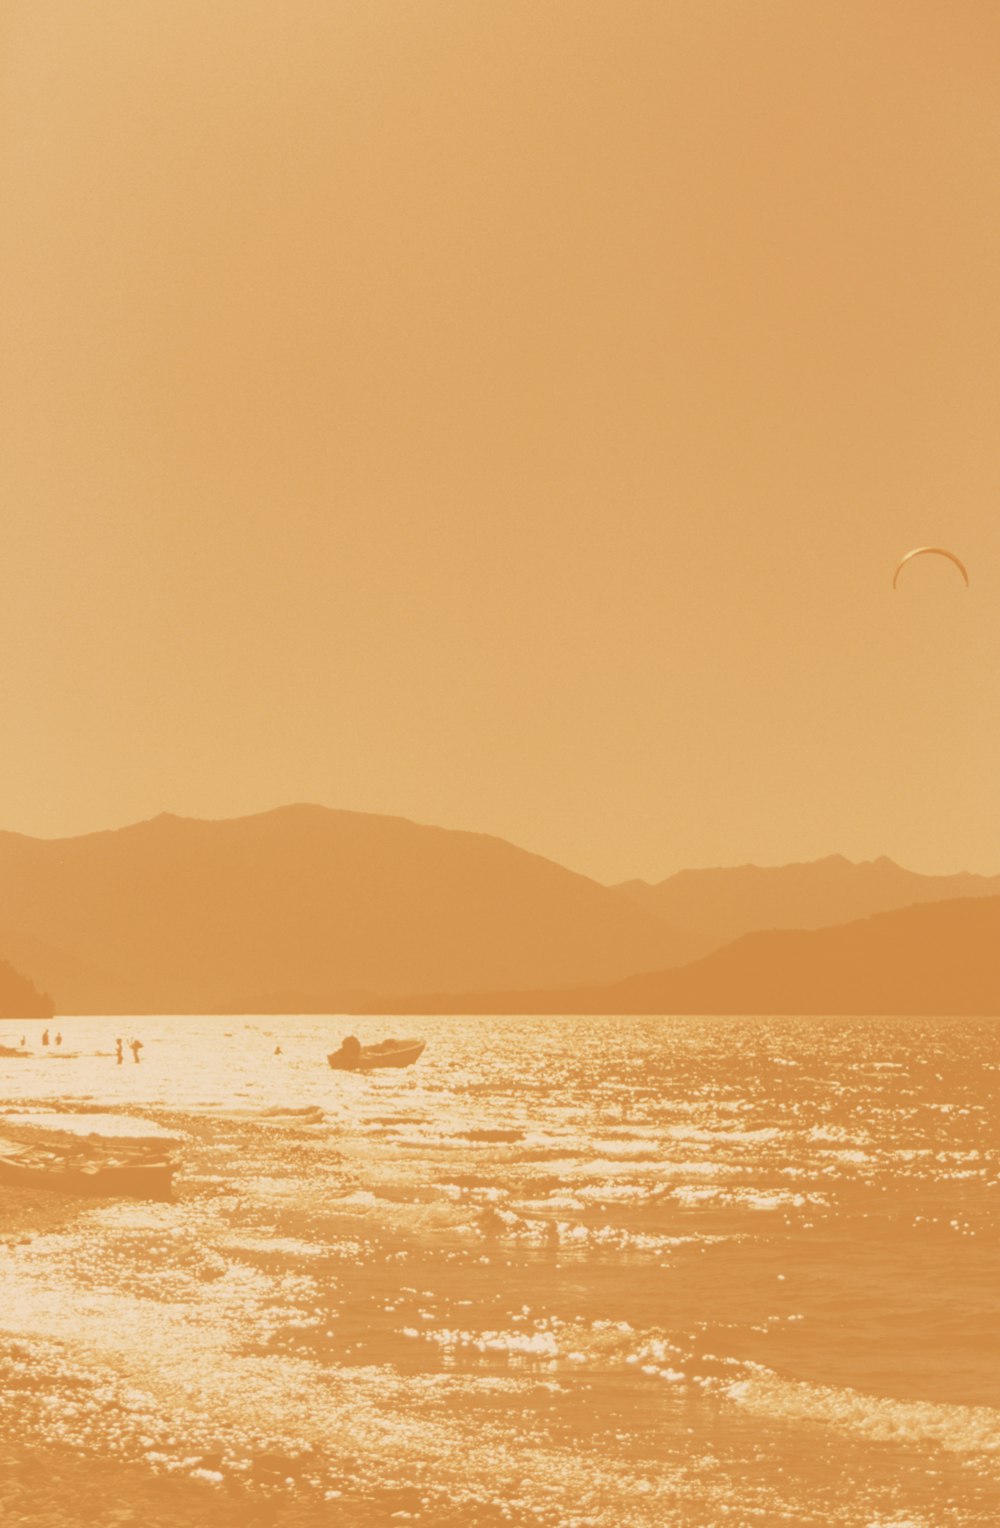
point(933, 958)
point(305, 909)
point(724, 903)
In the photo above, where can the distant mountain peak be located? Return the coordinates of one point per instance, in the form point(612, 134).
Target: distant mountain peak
point(727, 903)
point(182, 914)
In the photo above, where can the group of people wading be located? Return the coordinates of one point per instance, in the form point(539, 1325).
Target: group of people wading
point(135, 1046)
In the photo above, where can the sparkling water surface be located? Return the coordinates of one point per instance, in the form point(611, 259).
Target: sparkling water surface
point(590, 1271)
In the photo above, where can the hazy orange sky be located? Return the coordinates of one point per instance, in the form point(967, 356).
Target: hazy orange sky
point(507, 414)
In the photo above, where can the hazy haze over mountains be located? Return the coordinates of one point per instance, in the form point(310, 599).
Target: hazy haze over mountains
point(181, 915)
point(938, 958)
point(726, 902)
point(306, 909)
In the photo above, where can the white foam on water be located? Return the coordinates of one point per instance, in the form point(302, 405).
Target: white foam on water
point(270, 1245)
point(956, 1429)
point(177, 1312)
point(116, 1127)
point(851, 1137)
point(702, 1167)
point(160, 1407)
point(723, 1137)
point(899, 1522)
point(691, 1195)
point(775, 1199)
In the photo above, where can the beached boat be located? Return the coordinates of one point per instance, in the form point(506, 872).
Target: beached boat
point(96, 1172)
point(387, 1053)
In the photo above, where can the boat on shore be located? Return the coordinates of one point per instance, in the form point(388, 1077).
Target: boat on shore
point(93, 1172)
point(366, 1057)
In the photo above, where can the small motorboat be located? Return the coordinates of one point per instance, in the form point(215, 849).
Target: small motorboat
point(362, 1058)
point(91, 1171)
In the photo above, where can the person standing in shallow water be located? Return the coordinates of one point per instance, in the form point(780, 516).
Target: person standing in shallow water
point(58, 1037)
point(135, 1046)
point(119, 1053)
point(350, 1051)
point(45, 1037)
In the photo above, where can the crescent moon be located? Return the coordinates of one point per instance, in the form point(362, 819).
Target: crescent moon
point(939, 551)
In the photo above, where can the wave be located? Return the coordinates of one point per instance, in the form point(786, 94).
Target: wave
point(957, 1429)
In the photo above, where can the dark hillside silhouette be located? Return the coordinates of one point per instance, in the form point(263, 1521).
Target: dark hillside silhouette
point(19, 998)
point(939, 958)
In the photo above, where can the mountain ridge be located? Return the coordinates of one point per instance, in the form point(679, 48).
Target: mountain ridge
point(937, 958)
point(321, 906)
point(176, 914)
point(724, 902)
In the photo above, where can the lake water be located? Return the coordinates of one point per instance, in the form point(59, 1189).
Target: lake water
point(564, 1271)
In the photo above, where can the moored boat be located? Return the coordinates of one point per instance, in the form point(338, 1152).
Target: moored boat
point(25, 1164)
point(363, 1058)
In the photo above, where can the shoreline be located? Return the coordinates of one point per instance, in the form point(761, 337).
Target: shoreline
point(323, 1331)
point(46, 1487)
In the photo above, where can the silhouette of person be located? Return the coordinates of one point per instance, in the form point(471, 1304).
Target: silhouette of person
point(45, 1037)
point(24, 1041)
point(135, 1046)
point(350, 1050)
point(119, 1055)
point(58, 1037)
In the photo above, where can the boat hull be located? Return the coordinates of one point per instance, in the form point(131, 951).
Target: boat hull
point(371, 1057)
point(95, 1179)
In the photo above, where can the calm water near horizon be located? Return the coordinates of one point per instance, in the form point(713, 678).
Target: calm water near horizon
point(596, 1271)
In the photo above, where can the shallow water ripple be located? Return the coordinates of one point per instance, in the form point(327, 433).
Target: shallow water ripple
point(588, 1271)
